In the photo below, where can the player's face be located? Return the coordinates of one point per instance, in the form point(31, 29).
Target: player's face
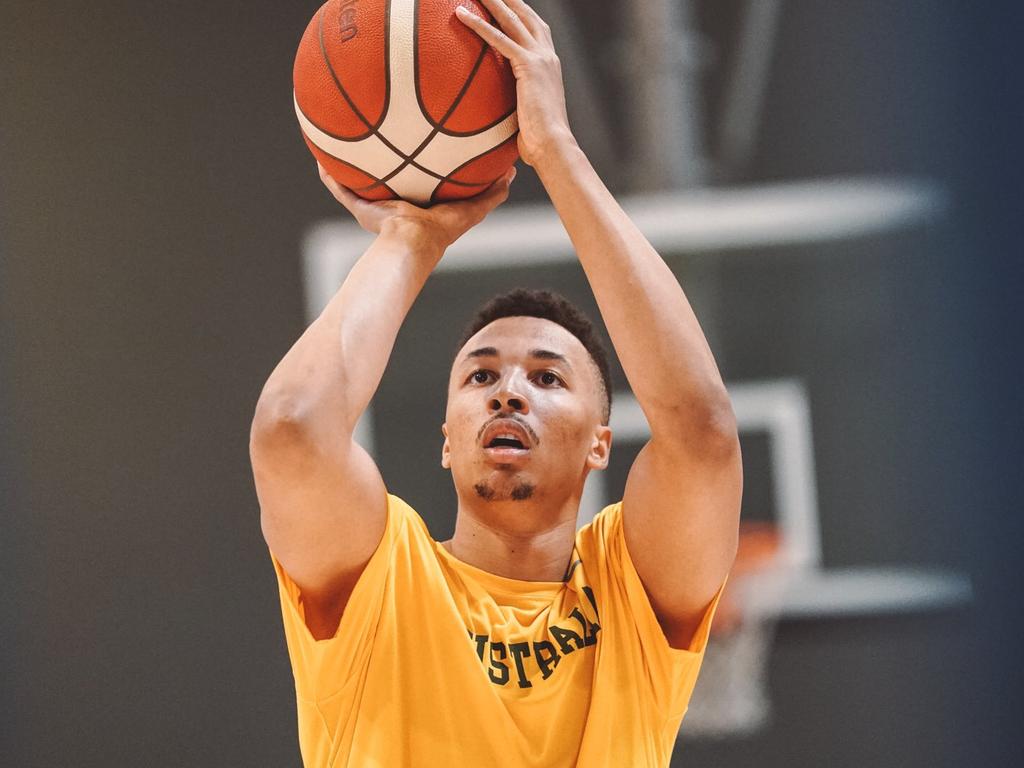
point(524, 413)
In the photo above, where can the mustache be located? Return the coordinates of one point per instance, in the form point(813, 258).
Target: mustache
point(526, 427)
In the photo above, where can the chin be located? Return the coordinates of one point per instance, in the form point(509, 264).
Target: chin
point(518, 492)
point(504, 487)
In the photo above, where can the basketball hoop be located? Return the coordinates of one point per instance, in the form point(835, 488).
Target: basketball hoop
point(731, 696)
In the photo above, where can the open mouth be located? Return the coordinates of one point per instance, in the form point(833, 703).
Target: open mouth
point(506, 442)
point(506, 439)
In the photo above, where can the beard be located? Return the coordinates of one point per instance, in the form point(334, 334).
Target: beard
point(521, 491)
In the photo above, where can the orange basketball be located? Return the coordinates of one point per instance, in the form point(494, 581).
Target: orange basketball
point(398, 98)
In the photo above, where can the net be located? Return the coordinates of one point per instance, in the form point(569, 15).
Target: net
point(731, 696)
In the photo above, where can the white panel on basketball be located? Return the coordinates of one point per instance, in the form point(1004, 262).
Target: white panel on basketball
point(370, 154)
point(413, 183)
point(406, 127)
point(445, 153)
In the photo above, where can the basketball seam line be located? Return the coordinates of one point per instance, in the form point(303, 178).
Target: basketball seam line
point(451, 109)
point(373, 130)
point(377, 181)
point(449, 180)
point(440, 126)
point(427, 171)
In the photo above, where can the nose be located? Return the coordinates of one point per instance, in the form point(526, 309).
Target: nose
point(508, 400)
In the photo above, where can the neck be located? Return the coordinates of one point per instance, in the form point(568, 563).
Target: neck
point(525, 540)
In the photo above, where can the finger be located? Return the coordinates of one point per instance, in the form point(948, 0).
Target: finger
point(499, 185)
point(327, 179)
point(510, 174)
point(508, 21)
point(479, 205)
point(495, 194)
point(530, 19)
point(491, 35)
point(342, 194)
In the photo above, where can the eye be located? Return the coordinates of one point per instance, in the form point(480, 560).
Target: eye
point(480, 377)
point(548, 379)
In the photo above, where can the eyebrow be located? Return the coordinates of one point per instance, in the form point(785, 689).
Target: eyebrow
point(483, 352)
point(543, 354)
point(539, 354)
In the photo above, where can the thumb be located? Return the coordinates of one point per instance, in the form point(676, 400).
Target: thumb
point(461, 214)
point(497, 192)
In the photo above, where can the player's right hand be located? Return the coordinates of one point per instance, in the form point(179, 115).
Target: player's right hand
point(441, 224)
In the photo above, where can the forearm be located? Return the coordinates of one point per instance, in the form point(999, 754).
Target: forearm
point(326, 380)
point(655, 333)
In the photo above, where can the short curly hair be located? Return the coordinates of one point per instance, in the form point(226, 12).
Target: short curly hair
point(547, 305)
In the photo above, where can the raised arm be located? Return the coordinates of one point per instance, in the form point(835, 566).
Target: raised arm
point(682, 498)
point(322, 500)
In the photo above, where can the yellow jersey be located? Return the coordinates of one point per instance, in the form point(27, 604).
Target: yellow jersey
point(438, 663)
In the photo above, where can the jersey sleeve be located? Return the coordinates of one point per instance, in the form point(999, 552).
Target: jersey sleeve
point(670, 672)
point(323, 667)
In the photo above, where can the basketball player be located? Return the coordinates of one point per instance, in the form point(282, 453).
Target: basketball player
point(520, 641)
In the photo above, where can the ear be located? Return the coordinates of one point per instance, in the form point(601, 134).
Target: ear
point(600, 448)
point(446, 449)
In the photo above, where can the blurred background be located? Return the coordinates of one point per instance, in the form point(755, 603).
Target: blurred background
point(160, 220)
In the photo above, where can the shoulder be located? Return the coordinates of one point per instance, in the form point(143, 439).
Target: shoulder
point(599, 547)
point(600, 532)
point(620, 590)
point(405, 523)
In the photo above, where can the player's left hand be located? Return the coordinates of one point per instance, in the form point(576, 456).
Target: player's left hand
point(440, 225)
point(524, 38)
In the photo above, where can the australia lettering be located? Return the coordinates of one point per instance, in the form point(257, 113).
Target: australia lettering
point(521, 661)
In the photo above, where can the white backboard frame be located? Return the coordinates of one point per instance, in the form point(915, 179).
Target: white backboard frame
point(704, 223)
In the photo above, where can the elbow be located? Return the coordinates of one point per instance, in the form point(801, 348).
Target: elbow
point(719, 421)
point(281, 407)
point(278, 421)
point(717, 431)
point(707, 426)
